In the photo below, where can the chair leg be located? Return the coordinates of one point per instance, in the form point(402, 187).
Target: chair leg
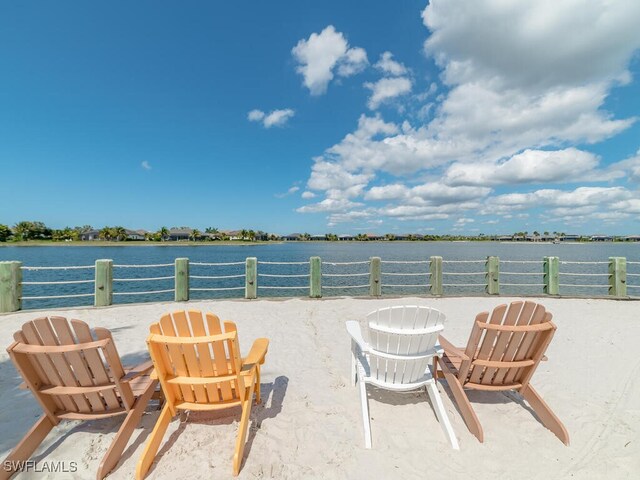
point(544, 413)
point(258, 385)
point(459, 395)
point(436, 401)
point(26, 447)
point(153, 444)
point(242, 431)
point(354, 369)
point(366, 420)
point(112, 457)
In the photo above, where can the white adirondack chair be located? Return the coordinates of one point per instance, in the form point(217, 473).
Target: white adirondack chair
point(394, 354)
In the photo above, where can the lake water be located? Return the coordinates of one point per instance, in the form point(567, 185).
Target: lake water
point(455, 274)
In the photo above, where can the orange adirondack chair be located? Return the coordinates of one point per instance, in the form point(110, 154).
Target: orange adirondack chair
point(503, 352)
point(75, 376)
point(201, 369)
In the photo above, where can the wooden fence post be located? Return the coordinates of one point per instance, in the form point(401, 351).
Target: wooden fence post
point(182, 280)
point(315, 276)
point(251, 278)
point(618, 276)
point(435, 268)
point(375, 283)
point(493, 276)
point(103, 283)
point(551, 270)
point(10, 286)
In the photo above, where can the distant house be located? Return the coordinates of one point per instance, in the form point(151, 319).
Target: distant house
point(570, 238)
point(90, 235)
point(374, 237)
point(292, 237)
point(601, 238)
point(632, 238)
point(345, 238)
point(232, 234)
point(505, 238)
point(180, 234)
point(136, 234)
point(318, 238)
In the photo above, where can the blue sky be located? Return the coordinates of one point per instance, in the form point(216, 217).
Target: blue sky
point(457, 116)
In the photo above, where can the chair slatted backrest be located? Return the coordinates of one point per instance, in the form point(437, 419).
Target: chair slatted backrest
point(198, 362)
point(402, 339)
point(507, 345)
point(70, 371)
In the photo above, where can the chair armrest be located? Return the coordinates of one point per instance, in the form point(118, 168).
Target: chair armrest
point(354, 330)
point(258, 352)
point(450, 350)
point(145, 368)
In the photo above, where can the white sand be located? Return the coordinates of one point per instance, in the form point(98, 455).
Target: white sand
point(309, 425)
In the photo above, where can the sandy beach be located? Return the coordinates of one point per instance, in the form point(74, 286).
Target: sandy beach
point(309, 424)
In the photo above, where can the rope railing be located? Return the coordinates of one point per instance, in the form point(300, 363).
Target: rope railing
point(551, 279)
point(149, 279)
point(225, 264)
point(283, 276)
point(521, 273)
point(47, 297)
point(216, 277)
point(404, 262)
point(151, 292)
point(564, 262)
point(72, 267)
point(412, 274)
point(283, 263)
point(157, 265)
point(537, 262)
point(366, 274)
point(61, 282)
point(366, 262)
point(463, 261)
point(218, 289)
point(273, 287)
point(464, 273)
point(345, 286)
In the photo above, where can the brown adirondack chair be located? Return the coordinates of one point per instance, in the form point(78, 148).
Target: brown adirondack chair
point(75, 376)
point(201, 369)
point(502, 353)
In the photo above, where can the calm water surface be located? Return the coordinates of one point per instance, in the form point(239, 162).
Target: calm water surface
point(329, 252)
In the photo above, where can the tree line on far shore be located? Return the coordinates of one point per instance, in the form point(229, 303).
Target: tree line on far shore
point(28, 231)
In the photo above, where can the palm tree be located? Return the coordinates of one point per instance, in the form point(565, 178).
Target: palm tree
point(119, 233)
point(105, 233)
point(164, 234)
point(243, 234)
point(251, 235)
point(195, 234)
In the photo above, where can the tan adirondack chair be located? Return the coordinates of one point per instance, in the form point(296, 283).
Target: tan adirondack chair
point(200, 368)
point(76, 376)
point(503, 352)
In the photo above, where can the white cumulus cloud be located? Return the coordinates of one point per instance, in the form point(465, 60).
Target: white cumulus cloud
point(322, 54)
point(503, 119)
point(275, 118)
point(386, 89)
